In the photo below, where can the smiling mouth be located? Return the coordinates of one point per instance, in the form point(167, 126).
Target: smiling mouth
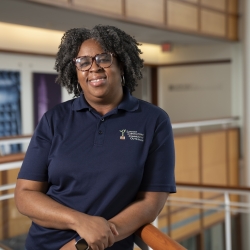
point(97, 80)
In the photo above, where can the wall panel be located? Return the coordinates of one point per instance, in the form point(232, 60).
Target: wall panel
point(233, 6)
point(233, 160)
point(111, 6)
point(182, 16)
point(147, 10)
point(214, 218)
point(232, 32)
point(185, 222)
point(1, 209)
point(61, 1)
point(214, 158)
point(187, 159)
point(216, 4)
point(191, 1)
point(179, 14)
point(213, 23)
point(14, 218)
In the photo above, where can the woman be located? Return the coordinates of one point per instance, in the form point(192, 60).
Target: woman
point(99, 166)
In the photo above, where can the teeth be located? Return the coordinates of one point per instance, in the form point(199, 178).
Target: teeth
point(97, 80)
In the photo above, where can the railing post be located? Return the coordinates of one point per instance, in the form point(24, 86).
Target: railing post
point(155, 222)
point(227, 221)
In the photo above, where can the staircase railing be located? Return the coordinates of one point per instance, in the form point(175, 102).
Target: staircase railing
point(147, 237)
point(155, 239)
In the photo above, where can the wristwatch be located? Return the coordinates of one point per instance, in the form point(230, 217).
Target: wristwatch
point(81, 244)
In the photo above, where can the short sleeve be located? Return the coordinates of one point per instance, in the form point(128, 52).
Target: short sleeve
point(35, 164)
point(159, 167)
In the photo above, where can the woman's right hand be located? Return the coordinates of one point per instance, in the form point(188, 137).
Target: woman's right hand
point(97, 231)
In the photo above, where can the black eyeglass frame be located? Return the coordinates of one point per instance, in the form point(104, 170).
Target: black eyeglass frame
point(94, 58)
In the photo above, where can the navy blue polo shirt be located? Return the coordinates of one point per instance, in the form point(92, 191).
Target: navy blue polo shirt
point(97, 164)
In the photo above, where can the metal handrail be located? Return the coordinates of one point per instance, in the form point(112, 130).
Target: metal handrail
point(202, 203)
point(202, 123)
point(175, 125)
point(243, 207)
point(15, 139)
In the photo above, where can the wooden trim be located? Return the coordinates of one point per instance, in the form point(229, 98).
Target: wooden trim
point(202, 132)
point(195, 63)
point(5, 217)
point(214, 119)
point(27, 53)
point(227, 18)
point(194, 33)
point(14, 137)
point(154, 86)
point(165, 8)
point(12, 158)
point(212, 9)
point(120, 17)
point(200, 158)
point(199, 15)
point(226, 187)
point(87, 10)
point(201, 238)
point(150, 65)
point(204, 7)
point(5, 207)
point(124, 8)
point(227, 158)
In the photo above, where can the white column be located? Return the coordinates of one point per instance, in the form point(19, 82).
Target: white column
point(246, 127)
point(227, 222)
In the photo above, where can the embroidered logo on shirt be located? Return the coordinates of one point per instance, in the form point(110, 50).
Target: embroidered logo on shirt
point(133, 135)
point(122, 137)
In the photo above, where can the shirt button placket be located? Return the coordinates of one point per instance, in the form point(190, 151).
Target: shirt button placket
point(99, 138)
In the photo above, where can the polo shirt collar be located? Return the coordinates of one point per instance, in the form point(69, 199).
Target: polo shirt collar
point(128, 103)
point(80, 103)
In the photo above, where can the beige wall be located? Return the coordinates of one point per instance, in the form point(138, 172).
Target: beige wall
point(224, 85)
point(195, 92)
point(212, 90)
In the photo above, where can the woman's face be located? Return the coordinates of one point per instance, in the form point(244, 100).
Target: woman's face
point(100, 85)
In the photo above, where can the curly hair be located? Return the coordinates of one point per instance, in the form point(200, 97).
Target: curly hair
point(111, 39)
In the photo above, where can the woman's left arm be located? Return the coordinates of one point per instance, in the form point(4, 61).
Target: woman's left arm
point(143, 210)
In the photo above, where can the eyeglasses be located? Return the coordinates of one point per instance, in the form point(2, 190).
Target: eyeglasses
point(103, 60)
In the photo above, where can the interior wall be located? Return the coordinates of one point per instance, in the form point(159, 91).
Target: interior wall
point(143, 89)
point(223, 98)
point(195, 92)
point(27, 65)
point(204, 91)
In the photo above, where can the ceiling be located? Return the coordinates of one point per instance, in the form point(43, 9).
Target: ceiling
point(37, 15)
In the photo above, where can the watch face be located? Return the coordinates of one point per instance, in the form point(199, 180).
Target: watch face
point(82, 245)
